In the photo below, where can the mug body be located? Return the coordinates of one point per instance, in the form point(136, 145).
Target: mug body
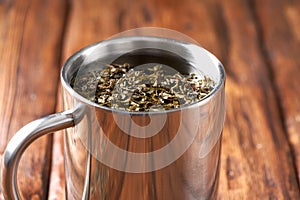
point(168, 154)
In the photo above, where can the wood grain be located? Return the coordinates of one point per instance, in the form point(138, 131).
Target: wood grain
point(255, 146)
point(257, 41)
point(280, 36)
point(29, 56)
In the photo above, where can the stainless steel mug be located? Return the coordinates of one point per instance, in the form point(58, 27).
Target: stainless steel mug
point(117, 154)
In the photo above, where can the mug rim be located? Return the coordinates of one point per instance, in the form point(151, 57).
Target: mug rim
point(65, 83)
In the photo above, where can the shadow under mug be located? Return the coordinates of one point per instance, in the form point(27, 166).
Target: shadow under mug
point(115, 154)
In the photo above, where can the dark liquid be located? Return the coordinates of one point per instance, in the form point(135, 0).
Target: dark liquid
point(186, 178)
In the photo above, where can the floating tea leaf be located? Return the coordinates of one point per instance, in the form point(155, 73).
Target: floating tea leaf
point(125, 87)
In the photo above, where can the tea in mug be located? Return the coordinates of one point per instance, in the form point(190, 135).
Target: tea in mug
point(141, 82)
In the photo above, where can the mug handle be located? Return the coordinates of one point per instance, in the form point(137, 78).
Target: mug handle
point(24, 137)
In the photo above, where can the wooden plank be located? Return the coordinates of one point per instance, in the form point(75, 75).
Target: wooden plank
point(280, 27)
point(256, 154)
point(30, 39)
point(57, 178)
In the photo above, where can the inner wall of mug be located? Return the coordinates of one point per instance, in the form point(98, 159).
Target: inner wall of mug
point(192, 58)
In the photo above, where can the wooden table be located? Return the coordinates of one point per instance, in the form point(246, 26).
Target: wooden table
point(257, 41)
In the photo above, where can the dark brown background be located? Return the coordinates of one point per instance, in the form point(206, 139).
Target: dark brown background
point(257, 41)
